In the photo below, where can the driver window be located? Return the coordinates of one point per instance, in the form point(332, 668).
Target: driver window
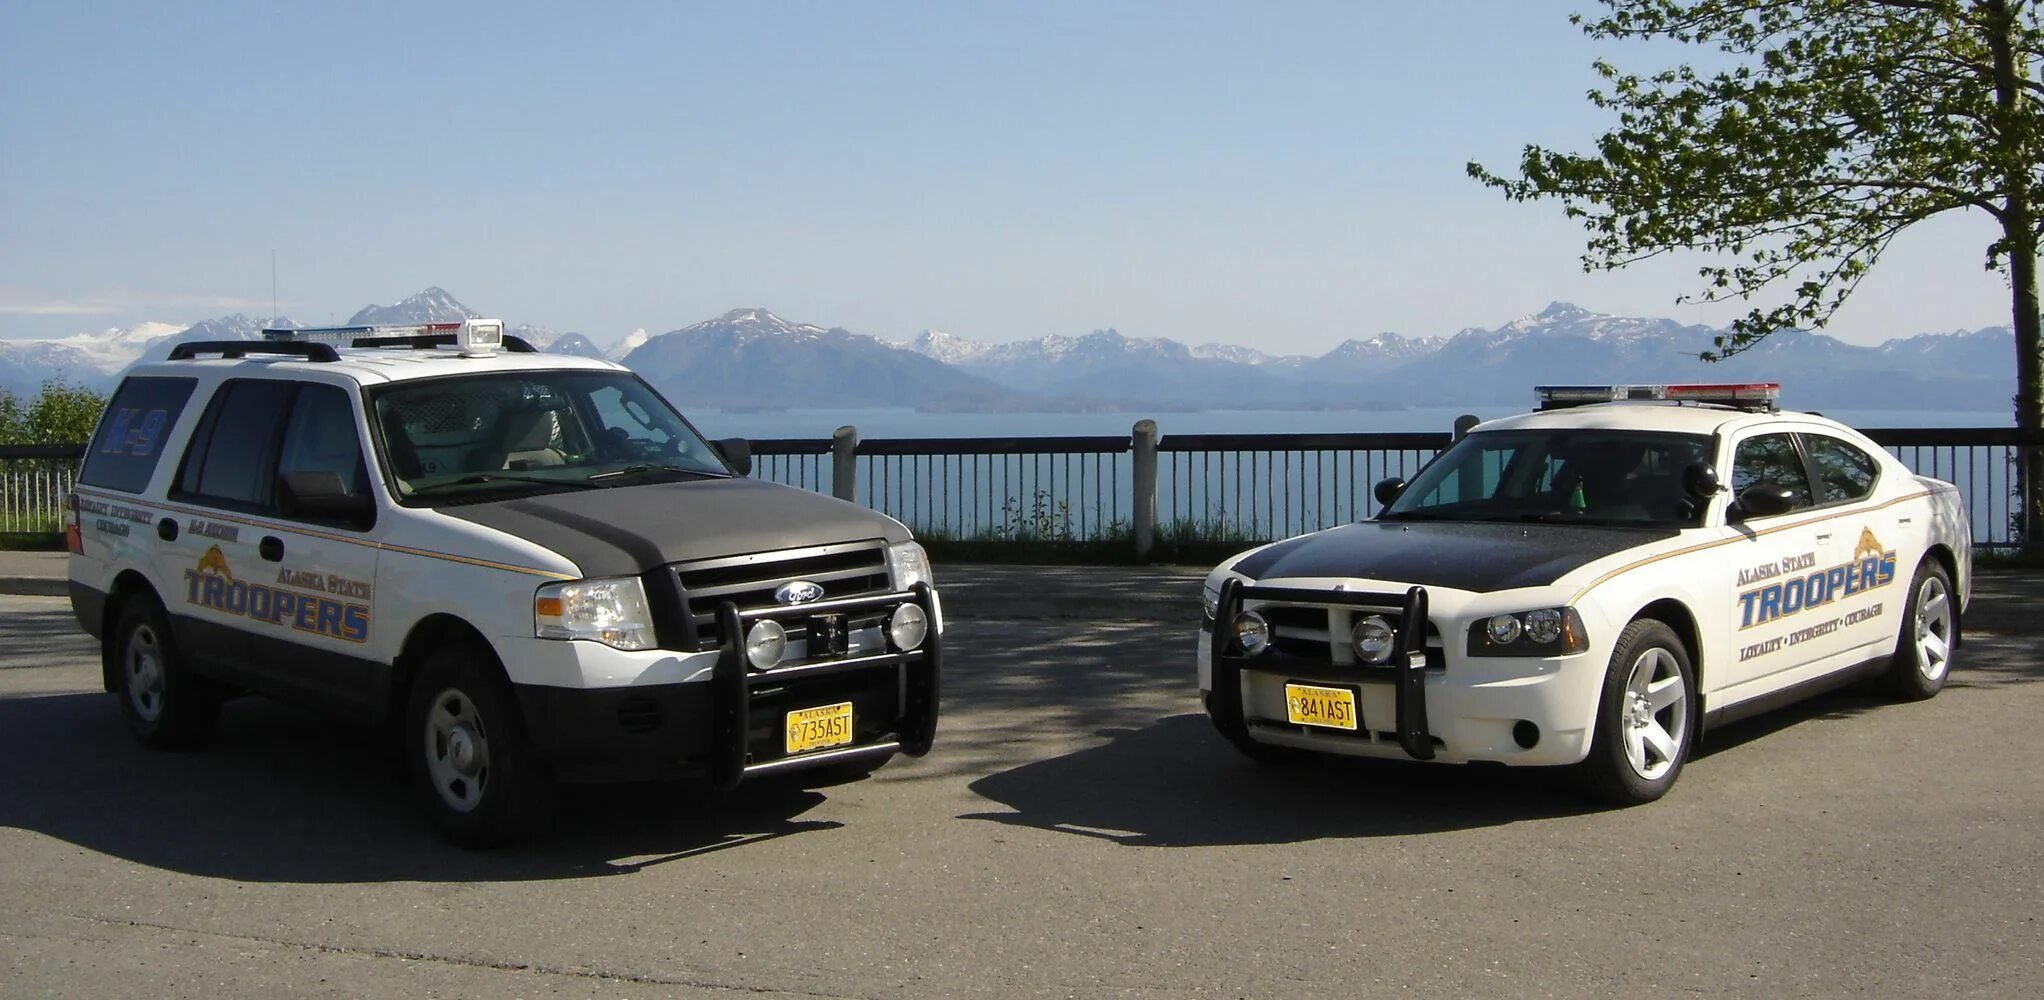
point(1771, 458)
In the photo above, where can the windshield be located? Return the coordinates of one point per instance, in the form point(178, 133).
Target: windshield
point(1572, 476)
point(479, 437)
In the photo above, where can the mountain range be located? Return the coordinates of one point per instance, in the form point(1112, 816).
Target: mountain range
point(753, 359)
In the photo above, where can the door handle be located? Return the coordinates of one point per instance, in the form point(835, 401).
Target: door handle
point(271, 548)
point(166, 529)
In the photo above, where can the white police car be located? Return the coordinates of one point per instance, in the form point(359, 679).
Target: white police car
point(530, 565)
point(1594, 584)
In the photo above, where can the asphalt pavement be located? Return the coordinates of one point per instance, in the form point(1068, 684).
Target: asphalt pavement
point(1079, 831)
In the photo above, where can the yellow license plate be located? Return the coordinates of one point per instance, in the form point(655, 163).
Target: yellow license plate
point(1328, 708)
point(816, 728)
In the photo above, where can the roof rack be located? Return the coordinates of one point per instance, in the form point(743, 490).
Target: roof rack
point(432, 341)
point(235, 349)
point(1753, 397)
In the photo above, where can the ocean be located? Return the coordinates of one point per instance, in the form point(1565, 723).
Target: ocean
point(912, 424)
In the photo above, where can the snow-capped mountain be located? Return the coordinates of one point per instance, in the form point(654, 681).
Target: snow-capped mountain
point(433, 305)
point(751, 358)
point(632, 341)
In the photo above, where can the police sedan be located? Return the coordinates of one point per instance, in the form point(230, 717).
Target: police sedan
point(1593, 585)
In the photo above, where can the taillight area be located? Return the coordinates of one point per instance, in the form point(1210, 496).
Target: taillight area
point(74, 536)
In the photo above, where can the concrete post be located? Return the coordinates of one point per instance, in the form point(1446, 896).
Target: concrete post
point(844, 464)
point(1144, 483)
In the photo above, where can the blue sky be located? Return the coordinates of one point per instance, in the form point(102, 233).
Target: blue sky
point(1282, 175)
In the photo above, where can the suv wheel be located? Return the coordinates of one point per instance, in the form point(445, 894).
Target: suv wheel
point(1646, 719)
point(167, 707)
point(475, 773)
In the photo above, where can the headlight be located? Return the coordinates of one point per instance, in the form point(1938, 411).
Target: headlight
point(610, 611)
point(1252, 633)
point(1210, 591)
point(909, 565)
point(1374, 639)
point(1540, 632)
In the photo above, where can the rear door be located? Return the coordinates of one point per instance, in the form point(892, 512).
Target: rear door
point(1872, 541)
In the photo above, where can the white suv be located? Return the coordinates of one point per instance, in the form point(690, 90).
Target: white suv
point(530, 566)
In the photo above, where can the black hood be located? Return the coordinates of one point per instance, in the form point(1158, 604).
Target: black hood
point(626, 530)
point(1463, 556)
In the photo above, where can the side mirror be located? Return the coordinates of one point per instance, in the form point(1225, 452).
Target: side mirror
point(1700, 480)
point(1388, 490)
point(1765, 499)
point(737, 453)
point(322, 494)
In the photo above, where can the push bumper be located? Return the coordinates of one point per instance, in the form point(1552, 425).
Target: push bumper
point(730, 725)
point(1462, 709)
point(1408, 671)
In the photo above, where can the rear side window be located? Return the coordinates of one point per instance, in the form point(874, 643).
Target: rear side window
point(133, 433)
point(1843, 471)
point(233, 455)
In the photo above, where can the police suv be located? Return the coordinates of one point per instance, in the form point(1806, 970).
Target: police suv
point(1593, 584)
point(530, 565)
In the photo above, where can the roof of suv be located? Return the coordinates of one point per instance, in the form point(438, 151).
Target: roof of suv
point(375, 365)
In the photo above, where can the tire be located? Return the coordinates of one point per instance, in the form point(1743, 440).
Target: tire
point(167, 707)
point(1928, 636)
point(1646, 717)
point(473, 769)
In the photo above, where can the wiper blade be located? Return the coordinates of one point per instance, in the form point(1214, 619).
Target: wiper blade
point(640, 470)
point(498, 477)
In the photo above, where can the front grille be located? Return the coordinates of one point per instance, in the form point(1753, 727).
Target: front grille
point(1321, 633)
point(851, 570)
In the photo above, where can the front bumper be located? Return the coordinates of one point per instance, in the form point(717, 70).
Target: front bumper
point(729, 725)
point(1457, 711)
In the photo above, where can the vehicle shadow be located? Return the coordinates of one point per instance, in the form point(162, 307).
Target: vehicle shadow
point(1177, 783)
point(284, 796)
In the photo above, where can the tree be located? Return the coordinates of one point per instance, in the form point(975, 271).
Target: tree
point(61, 414)
point(1836, 125)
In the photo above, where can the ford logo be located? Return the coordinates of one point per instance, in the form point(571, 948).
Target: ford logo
point(798, 592)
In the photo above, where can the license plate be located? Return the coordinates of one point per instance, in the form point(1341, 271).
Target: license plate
point(828, 726)
point(1326, 707)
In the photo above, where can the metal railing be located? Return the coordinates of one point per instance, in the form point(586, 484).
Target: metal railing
point(34, 479)
point(1243, 488)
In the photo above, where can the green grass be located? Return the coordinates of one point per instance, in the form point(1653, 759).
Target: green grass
point(31, 541)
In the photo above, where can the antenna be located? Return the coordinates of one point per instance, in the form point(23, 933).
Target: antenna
point(273, 284)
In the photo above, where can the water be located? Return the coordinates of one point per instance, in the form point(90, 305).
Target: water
point(912, 424)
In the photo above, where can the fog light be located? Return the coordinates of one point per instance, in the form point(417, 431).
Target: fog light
point(909, 627)
point(1374, 639)
point(1252, 633)
point(1504, 629)
point(765, 643)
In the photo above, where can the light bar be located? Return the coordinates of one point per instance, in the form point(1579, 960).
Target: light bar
point(1741, 395)
point(342, 336)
